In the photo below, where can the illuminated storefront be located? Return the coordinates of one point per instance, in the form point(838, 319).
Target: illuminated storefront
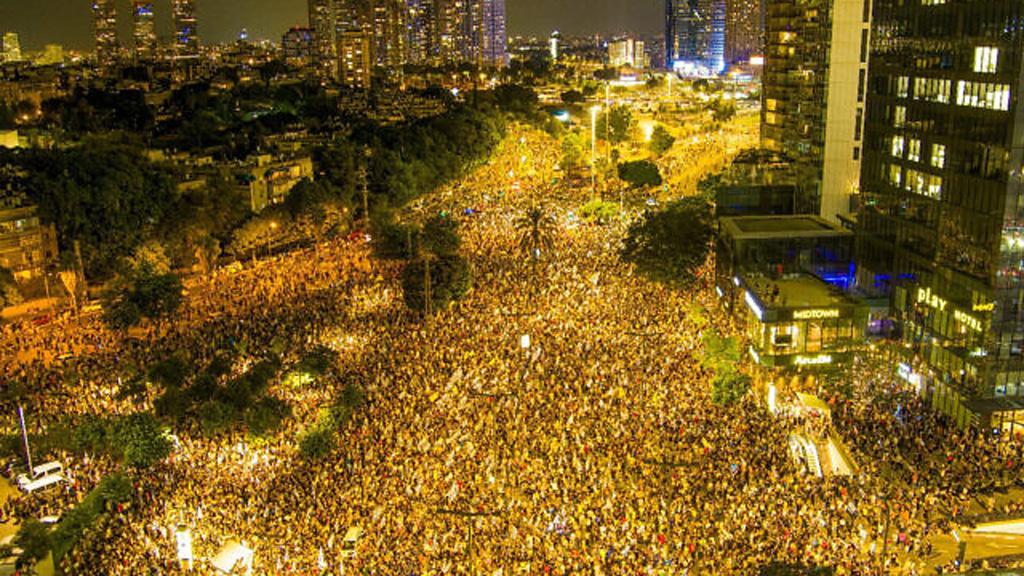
point(801, 323)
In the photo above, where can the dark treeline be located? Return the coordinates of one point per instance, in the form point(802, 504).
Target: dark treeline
point(104, 193)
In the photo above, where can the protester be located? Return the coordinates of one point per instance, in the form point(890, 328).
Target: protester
point(596, 449)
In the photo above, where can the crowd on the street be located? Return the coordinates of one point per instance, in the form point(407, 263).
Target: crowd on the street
point(557, 421)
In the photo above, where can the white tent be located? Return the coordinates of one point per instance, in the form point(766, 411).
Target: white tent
point(231, 555)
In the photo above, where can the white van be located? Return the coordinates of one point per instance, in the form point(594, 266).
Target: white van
point(352, 538)
point(40, 471)
point(41, 483)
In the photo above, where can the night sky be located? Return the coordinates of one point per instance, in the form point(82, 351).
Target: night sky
point(69, 22)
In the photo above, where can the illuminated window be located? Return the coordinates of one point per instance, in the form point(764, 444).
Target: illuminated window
point(939, 155)
point(983, 95)
point(932, 2)
point(914, 150)
point(897, 146)
point(899, 116)
point(902, 87)
point(916, 182)
point(934, 187)
point(895, 175)
point(932, 90)
point(986, 59)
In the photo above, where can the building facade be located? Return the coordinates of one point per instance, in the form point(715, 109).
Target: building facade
point(493, 35)
point(744, 31)
point(627, 52)
point(11, 51)
point(422, 32)
point(299, 45)
point(695, 36)
point(27, 246)
point(941, 229)
point(323, 23)
point(186, 28)
point(144, 29)
point(104, 14)
point(813, 97)
point(354, 63)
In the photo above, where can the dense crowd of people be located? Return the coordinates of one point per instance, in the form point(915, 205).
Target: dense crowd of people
point(557, 421)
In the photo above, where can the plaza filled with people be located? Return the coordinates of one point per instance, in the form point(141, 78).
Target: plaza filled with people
point(556, 421)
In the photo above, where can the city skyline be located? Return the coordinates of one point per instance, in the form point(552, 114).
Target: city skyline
point(221, 21)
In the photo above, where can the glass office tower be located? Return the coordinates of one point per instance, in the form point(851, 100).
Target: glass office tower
point(941, 227)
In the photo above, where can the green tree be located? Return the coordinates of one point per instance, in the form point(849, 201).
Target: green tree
point(572, 97)
point(617, 123)
point(151, 256)
point(34, 540)
point(723, 110)
point(572, 153)
point(441, 236)
point(104, 194)
point(141, 440)
point(536, 228)
point(142, 294)
point(721, 353)
point(599, 212)
point(670, 245)
point(318, 442)
point(640, 174)
point(10, 294)
point(661, 140)
point(450, 281)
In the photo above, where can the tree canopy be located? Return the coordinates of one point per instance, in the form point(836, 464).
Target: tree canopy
point(103, 194)
point(640, 174)
point(671, 244)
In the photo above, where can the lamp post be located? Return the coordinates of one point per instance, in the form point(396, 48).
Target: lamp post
point(593, 148)
point(471, 517)
point(270, 236)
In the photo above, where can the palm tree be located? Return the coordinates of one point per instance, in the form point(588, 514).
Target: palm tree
point(536, 229)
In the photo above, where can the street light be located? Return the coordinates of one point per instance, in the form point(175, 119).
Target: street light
point(593, 148)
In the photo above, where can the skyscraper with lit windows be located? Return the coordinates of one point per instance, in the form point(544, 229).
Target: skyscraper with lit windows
point(813, 89)
point(323, 22)
point(941, 227)
point(743, 30)
point(104, 14)
point(186, 30)
point(493, 37)
point(695, 35)
point(143, 29)
point(354, 63)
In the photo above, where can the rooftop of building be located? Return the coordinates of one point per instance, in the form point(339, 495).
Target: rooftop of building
point(795, 291)
point(777, 227)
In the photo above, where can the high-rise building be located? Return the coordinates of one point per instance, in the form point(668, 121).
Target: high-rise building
point(51, 54)
point(627, 52)
point(298, 45)
point(387, 21)
point(941, 227)
point(554, 45)
point(813, 92)
point(104, 14)
point(186, 31)
point(11, 48)
point(143, 29)
point(354, 63)
point(422, 31)
point(323, 21)
point(695, 35)
point(744, 26)
point(493, 36)
point(474, 32)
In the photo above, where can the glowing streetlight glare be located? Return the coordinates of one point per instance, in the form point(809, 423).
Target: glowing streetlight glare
point(593, 147)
